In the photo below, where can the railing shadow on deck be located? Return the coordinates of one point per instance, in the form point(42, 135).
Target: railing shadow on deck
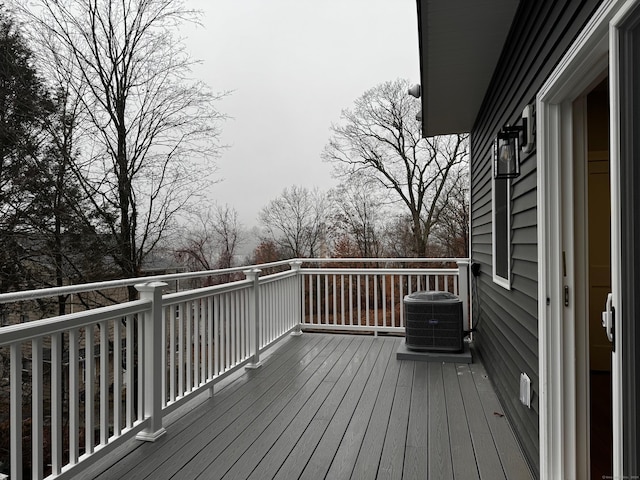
point(82, 384)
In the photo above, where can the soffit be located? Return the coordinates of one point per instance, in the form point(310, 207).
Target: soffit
point(460, 44)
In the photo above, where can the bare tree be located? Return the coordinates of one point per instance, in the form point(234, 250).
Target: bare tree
point(213, 243)
point(398, 236)
point(196, 249)
point(65, 232)
point(380, 139)
point(358, 213)
point(295, 222)
point(452, 229)
point(265, 252)
point(152, 131)
point(229, 234)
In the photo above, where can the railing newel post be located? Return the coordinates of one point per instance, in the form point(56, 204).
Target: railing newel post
point(152, 343)
point(463, 291)
point(254, 275)
point(295, 266)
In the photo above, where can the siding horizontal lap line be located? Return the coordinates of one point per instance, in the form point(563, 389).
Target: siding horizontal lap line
point(522, 345)
point(516, 309)
point(527, 286)
point(526, 219)
point(482, 212)
point(525, 235)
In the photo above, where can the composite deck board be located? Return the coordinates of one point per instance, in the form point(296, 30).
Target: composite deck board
point(511, 459)
point(392, 459)
point(368, 459)
point(335, 407)
point(344, 461)
point(485, 451)
point(279, 412)
point(300, 442)
point(245, 415)
point(245, 453)
point(214, 437)
point(281, 448)
point(439, 459)
point(415, 458)
point(462, 454)
point(326, 433)
point(266, 454)
point(209, 416)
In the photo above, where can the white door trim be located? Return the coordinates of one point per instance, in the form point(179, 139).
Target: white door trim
point(586, 58)
point(616, 225)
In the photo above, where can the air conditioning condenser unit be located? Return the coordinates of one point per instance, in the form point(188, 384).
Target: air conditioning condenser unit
point(433, 322)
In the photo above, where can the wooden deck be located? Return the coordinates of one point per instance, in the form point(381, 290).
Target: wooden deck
point(335, 406)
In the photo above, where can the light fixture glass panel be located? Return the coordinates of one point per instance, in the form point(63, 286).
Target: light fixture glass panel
point(506, 157)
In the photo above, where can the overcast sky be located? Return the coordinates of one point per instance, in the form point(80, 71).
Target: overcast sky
point(293, 65)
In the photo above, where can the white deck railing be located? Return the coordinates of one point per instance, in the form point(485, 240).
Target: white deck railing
point(369, 299)
point(81, 384)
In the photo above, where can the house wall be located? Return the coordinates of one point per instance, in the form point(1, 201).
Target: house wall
point(506, 320)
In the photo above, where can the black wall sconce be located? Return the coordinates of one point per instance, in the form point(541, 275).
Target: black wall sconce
point(508, 144)
point(506, 155)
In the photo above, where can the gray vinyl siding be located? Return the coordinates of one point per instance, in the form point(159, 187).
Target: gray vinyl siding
point(507, 337)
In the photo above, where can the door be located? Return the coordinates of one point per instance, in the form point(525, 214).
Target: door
point(624, 328)
point(610, 41)
point(587, 277)
point(597, 248)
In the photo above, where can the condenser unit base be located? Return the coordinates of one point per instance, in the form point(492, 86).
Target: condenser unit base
point(447, 357)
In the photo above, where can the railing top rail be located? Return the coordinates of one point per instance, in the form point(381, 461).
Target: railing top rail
point(381, 270)
point(125, 282)
point(383, 260)
point(50, 326)
point(177, 297)
point(277, 276)
point(94, 286)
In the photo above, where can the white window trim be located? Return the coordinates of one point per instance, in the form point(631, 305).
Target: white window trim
point(497, 279)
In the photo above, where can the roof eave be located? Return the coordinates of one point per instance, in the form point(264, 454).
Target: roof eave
point(460, 44)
